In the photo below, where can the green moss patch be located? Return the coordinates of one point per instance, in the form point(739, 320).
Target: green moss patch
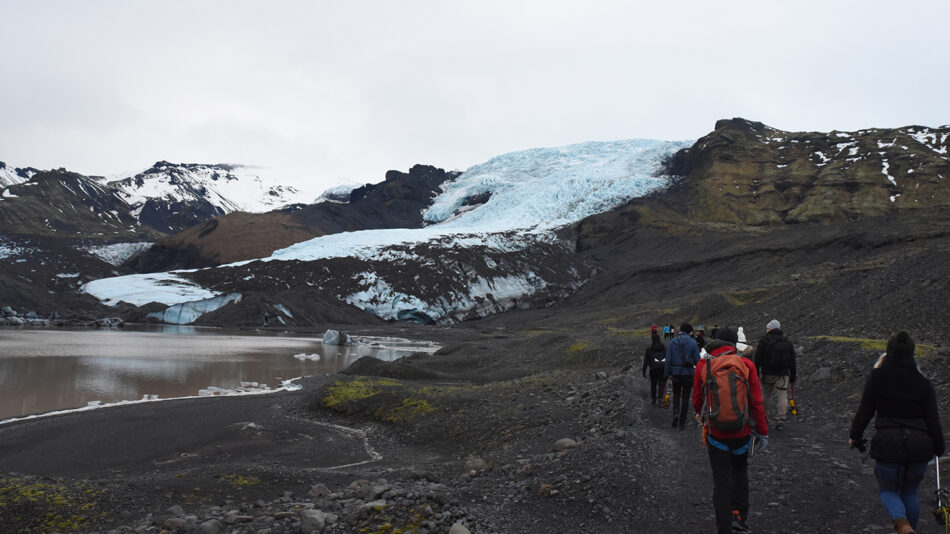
point(29, 504)
point(742, 298)
point(384, 399)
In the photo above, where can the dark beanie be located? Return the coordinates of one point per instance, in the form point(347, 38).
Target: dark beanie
point(686, 327)
point(900, 344)
point(728, 334)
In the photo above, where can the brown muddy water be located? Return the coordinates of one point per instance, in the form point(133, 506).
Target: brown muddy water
point(46, 370)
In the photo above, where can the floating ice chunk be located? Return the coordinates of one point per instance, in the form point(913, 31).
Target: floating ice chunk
point(335, 337)
point(307, 357)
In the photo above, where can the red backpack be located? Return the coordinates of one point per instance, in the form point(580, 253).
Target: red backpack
point(726, 392)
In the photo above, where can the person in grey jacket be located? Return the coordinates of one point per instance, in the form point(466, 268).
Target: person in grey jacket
point(682, 355)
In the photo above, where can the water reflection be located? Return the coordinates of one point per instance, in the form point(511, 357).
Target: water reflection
point(48, 370)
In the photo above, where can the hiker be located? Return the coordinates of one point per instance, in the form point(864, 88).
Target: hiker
point(666, 332)
point(907, 429)
point(700, 338)
point(654, 359)
point(775, 359)
point(653, 329)
point(726, 432)
point(681, 357)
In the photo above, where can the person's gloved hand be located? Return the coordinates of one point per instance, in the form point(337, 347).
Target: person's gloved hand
point(761, 442)
point(861, 445)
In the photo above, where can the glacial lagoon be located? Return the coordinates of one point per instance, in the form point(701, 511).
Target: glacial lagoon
point(48, 370)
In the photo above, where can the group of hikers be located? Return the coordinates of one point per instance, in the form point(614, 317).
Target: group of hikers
point(732, 386)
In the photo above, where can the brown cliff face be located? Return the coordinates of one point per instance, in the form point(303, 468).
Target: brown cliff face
point(748, 173)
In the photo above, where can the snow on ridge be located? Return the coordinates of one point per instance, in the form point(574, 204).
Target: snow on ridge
point(9, 175)
point(339, 193)
point(228, 187)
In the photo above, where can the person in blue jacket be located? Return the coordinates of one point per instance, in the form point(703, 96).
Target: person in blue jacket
point(682, 355)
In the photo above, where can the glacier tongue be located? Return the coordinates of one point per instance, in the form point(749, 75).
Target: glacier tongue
point(551, 187)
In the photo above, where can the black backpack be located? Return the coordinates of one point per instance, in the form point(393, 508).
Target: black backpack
point(658, 362)
point(778, 354)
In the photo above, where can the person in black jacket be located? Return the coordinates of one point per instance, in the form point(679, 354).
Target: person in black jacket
point(908, 432)
point(654, 359)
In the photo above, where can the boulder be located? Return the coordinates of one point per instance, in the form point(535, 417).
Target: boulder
point(312, 521)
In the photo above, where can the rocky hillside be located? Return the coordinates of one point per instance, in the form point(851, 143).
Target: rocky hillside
point(66, 204)
point(397, 202)
point(749, 173)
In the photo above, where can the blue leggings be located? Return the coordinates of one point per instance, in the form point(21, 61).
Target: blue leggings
point(898, 485)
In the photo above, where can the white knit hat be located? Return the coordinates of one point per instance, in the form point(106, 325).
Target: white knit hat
point(773, 325)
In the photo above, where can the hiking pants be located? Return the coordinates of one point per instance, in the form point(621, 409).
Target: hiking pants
point(657, 384)
point(777, 386)
point(730, 482)
point(898, 485)
point(682, 387)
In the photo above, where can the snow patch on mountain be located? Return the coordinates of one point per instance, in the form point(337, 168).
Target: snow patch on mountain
point(228, 187)
point(116, 253)
point(12, 175)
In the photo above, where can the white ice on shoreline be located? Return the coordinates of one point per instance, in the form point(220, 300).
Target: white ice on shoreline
point(286, 385)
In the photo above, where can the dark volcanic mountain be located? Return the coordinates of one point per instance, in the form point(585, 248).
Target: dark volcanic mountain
point(746, 172)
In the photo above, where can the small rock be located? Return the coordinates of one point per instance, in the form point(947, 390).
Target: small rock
point(176, 510)
point(459, 528)
point(823, 373)
point(174, 524)
point(319, 490)
point(563, 444)
point(212, 526)
point(475, 464)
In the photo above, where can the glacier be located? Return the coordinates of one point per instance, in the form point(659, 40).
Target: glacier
point(530, 194)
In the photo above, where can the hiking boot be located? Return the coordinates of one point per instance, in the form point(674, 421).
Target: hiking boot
point(738, 523)
point(780, 426)
point(902, 526)
point(676, 422)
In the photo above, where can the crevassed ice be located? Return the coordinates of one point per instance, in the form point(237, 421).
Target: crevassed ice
point(535, 190)
point(551, 187)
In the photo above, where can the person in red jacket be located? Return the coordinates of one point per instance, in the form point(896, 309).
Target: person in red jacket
point(729, 449)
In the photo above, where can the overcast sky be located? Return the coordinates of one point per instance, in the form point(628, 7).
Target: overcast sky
point(339, 92)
